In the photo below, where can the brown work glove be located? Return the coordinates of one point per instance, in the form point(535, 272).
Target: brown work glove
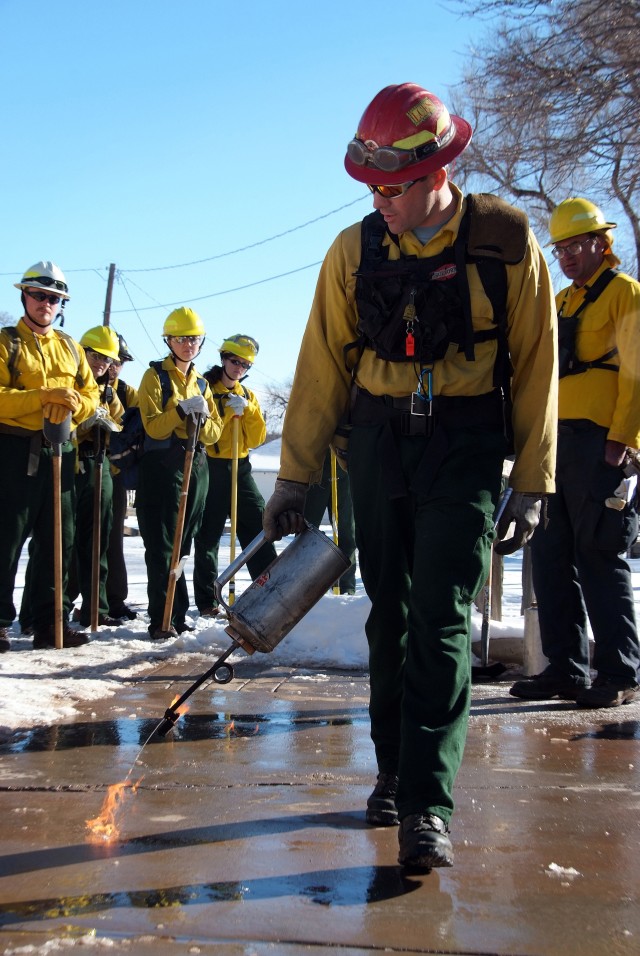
point(524, 511)
point(55, 413)
point(284, 509)
point(60, 396)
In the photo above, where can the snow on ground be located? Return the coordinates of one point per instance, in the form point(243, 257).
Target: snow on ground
point(42, 687)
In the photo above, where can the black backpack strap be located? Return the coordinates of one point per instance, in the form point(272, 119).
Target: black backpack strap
point(121, 392)
point(574, 366)
point(13, 336)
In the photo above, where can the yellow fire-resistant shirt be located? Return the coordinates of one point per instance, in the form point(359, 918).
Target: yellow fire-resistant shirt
point(252, 428)
point(610, 399)
point(320, 394)
point(42, 361)
point(160, 423)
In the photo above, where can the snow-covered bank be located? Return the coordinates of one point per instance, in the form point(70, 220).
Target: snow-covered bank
point(40, 687)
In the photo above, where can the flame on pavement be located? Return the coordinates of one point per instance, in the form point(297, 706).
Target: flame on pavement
point(104, 828)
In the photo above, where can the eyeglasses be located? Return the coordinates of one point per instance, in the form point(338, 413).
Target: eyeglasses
point(573, 249)
point(187, 339)
point(98, 356)
point(47, 280)
point(43, 296)
point(389, 158)
point(240, 364)
point(394, 192)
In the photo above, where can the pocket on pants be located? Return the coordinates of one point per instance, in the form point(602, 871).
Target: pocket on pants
point(605, 528)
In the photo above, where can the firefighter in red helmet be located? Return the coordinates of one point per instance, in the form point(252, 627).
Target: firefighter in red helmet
point(442, 306)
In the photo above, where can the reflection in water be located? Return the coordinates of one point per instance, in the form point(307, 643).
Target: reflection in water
point(190, 727)
point(352, 886)
point(622, 730)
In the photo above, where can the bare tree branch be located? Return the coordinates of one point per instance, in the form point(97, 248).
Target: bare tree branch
point(553, 94)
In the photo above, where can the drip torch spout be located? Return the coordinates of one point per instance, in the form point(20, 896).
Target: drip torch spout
point(167, 723)
point(221, 672)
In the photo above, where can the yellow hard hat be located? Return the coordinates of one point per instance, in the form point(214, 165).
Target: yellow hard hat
point(573, 217)
point(241, 345)
point(183, 321)
point(102, 339)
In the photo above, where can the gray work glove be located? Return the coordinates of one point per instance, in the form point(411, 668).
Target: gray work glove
point(524, 510)
point(284, 509)
point(237, 404)
point(100, 419)
point(196, 407)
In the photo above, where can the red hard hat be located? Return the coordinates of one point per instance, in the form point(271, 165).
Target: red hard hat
point(417, 127)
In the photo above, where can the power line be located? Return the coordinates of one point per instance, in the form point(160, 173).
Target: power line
point(253, 245)
point(222, 255)
point(213, 295)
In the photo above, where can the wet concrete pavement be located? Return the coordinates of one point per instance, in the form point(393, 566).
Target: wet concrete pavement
point(246, 834)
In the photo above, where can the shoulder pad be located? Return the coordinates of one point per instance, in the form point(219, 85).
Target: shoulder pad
point(496, 229)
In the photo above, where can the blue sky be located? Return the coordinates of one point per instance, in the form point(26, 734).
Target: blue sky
point(155, 135)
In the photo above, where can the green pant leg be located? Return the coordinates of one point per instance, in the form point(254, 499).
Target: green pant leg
point(85, 493)
point(42, 591)
point(250, 511)
point(157, 502)
point(17, 502)
point(422, 559)
point(196, 498)
point(207, 540)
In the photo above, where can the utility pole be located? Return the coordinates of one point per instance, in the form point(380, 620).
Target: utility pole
point(107, 301)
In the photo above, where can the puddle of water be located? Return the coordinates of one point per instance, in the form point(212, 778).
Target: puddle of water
point(190, 727)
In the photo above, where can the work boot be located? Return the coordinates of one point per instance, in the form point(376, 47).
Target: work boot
point(381, 805)
point(156, 633)
point(424, 842)
point(124, 612)
point(104, 620)
point(181, 627)
point(45, 637)
point(209, 612)
point(545, 687)
point(607, 692)
point(4, 641)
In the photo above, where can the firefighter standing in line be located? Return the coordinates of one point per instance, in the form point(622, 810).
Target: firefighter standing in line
point(580, 572)
point(46, 375)
point(117, 581)
point(237, 355)
point(162, 465)
point(101, 348)
point(426, 437)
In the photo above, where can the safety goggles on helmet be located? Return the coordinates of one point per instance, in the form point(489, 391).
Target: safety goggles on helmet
point(42, 296)
point(389, 158)
point(572, 249)
point(393, 192)
point(49, 281)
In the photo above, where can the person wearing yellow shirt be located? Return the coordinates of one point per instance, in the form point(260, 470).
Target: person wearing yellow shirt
point(580, 572)
point(117, 578)
point(101, 348)
point(237, 355)
point(43, 374)
point(420, 314)
point(173, 399)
